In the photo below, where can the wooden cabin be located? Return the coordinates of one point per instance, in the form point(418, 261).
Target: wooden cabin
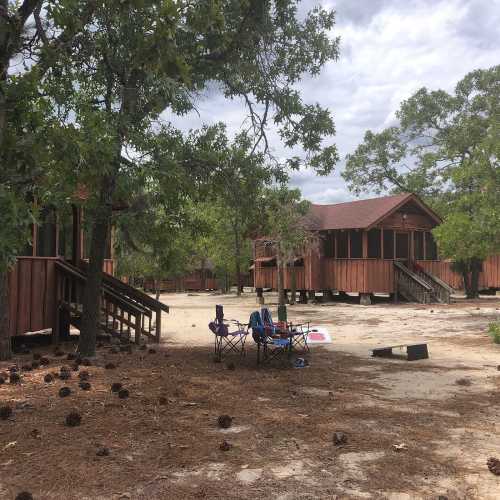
point(196, 281)
point(47, 282)
point(381, 245)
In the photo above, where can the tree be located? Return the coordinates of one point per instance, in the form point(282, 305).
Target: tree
point(139, 59)
point(286, 229)
point(25, 124)
point(238, 186)
point(445, 148)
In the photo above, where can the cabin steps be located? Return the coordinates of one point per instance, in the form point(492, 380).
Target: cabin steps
point(125, 312)
point(417, 285)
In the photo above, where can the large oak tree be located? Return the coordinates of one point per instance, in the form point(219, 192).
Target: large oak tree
point(140, 61)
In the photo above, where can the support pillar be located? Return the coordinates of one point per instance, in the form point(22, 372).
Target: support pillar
point(328, 296)
point(365, 299)
point(303, 297)
point(260, 295)
point(312, 295)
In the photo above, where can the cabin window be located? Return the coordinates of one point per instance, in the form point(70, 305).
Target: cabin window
point(329, 244)
point(388, 244)
point(356, 244)
point(430, 247)
point(46, 234)
point(418, 244)
point(374, 248)
point(342, 245)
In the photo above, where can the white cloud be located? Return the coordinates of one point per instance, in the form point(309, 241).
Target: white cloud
point(390, 48)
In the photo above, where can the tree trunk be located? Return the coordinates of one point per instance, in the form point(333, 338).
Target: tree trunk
point(281, 281)
point(5, 343)
point(203, 275)
point(470, 273)
point(476, 266)
point(92, 294)
point(237, 256)
point(293, 283)
point(157, 289)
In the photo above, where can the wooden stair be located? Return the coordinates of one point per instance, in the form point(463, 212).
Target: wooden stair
point(420, 286)
point(125, 311)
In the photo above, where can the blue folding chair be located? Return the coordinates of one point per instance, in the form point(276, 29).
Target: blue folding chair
point(296, 332)
point(230, 335)
point(269, 339)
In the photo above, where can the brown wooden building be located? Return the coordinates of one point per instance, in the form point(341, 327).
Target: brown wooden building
point(47, 282)
point(380, 245)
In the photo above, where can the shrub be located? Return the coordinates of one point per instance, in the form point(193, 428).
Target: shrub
point(494, 331)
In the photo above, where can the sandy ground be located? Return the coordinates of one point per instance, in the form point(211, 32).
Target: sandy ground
point(412, 431)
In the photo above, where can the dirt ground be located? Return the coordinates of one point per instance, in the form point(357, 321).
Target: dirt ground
point(412, 430)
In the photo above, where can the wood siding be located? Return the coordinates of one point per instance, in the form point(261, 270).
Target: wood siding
point(265, 277)
point(32, 288)
point(358, 275)
point(32, 293)
point(489, 278)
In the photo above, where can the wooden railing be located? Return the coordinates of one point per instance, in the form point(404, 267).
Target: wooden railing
point(410, 285)
point(124, 309)
point(441, 290)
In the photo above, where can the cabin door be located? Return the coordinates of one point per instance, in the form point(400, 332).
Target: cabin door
point(402, 246)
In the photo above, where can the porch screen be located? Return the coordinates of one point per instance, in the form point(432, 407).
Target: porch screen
point(329, 244)
point(418, 242)
point(342, 245)
point(430, 247)
point(374, 245)
point(388, 244)
point(356, 244)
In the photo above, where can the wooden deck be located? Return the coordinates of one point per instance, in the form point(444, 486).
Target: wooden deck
point(267, 277)
point(32, 285)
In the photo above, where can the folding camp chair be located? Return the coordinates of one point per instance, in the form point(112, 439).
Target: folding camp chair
point(297, 332)
point(272, 341)
point(230, 335)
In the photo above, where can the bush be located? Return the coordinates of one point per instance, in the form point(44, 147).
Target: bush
point(494, 331)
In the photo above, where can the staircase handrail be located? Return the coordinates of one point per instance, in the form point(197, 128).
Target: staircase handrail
point(134, 294)
point(413, 275)
point(438, 281)
point(120, 300)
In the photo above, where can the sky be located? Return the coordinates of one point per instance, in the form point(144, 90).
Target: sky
point(389, 49)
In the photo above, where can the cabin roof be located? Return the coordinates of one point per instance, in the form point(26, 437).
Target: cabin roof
point(362, 214)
